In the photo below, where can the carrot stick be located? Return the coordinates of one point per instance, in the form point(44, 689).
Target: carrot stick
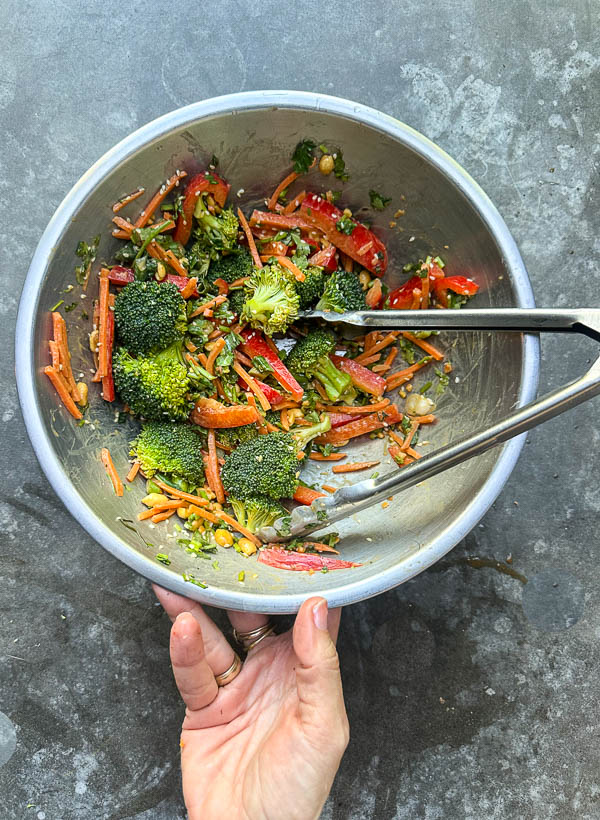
point(385, 342)
point(103, 324)
point(126, 226)
point(228, 519)
point(54, 354)
point(295, 203)
point(391, 356)
point(205, 514)
point(395, 437)
point(211, 303)
point(64, 357)
point(194, 499)
point(121, 203)
point(173, 261)
point(213, 474)
point(330, 457)
point(354, 466)
point(413, 453)
point(416, 300)
point(217, 348)
point(347, 263)
point(110, 469)
point(61, 388)
point(161, 516)
point(243, 359)
point(405, 374)
point(158, 197)
point(329, 488)
point(354, 411)
point(370, 340)
point(239, 282)
point(428, 348)
point(250, 238)
point(286, 405)
point(306, 495)
point(287, 263)
point(189, 288)
point(320, 547)
point(158, 508)
point(135, 467)
point(264, 403)
point(425, 292)
point(284, 420)
point(428, 419)
point(409, 436)
point(281, 187)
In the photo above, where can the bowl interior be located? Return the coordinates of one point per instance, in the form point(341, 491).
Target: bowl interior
point(254, 147)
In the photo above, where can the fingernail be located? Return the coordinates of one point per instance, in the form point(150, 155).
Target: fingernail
point(320, 615)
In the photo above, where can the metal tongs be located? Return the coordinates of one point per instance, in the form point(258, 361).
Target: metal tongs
point(352, 499)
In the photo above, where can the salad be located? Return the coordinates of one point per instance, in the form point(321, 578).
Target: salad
point(197, 332)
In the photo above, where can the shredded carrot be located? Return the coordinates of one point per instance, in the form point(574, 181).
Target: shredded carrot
point(190, 346)
point(217, 300)
point(158, 197)
point(250, 238)
point(283, 416)
point(213, 474)
point(320, 547)
point(321, 391)
point(161, 516)
point(330, 457)
point(54, 354)
point(409, 436)
point(354, 466)
point(407, 373)
point(239, 282)
point(264, 403)
point(370, 340)
point(428, 419)
point(395, 437)
point(125, 226)
point(204, 514)
point(135, 467)
point(121, 203)
point(203, 359)
point(173, 261)
point(103, 324)
point(413, 453)
point(271, 428)
point(295, 203)
point(416, 300)
point(194, 499)
point(110, 469)
point(347, 263)
point(158, 508)
point(242, 358)
point(216, 349)
point(64, 357)
point(61, 388)
point(286, 182)
point(286, 405)
point(352, 410)
point(380, 368)
point(428, 348)
point(425, 292)
point(391, 356)
point(370, 359)
point(328, 488)
point(385, 342)
point(237, 526)
point(189, 288)
point(287, 263)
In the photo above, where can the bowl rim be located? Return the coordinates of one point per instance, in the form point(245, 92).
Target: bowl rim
point(348, 591)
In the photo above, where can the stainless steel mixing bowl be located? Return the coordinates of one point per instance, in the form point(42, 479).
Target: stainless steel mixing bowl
point(253, 135)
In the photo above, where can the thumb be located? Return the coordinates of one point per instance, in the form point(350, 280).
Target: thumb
point(318, 679)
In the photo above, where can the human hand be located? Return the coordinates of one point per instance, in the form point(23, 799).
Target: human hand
point(268, 744)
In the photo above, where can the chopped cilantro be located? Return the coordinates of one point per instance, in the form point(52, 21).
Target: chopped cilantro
point(72, 306)
point(164, 559)
point(87, 253)
point(378, 201)
point(345, 225)
point(339, 167)
point(443, 381)
point(303, 156)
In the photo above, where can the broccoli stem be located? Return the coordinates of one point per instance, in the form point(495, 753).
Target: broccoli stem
point(306, 434)
point(333, 380)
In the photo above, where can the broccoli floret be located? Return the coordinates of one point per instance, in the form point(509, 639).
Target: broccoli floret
point(237, 299)
point(155, 386)
point(149, 316)
point(234, 266)
point(272, 304)
point(312, 288)
point(343, 292)
point(215, 232)
point(174, 450)
point(268, 464)
point(257, 511)
point(309, 358)
point(234, 436)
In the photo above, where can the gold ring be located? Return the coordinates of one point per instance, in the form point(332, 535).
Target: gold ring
point(253, 637)
point(230, 674)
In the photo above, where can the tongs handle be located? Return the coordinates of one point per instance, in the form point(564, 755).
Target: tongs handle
point(352, 499)
point(529, 320)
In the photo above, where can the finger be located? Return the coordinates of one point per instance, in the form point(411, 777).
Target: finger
point(333, 622)
point(193, 675)
point(246, 621)
point(217, 650)
point(318, 678)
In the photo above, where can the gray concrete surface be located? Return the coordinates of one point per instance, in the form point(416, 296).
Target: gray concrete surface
point(471, 695)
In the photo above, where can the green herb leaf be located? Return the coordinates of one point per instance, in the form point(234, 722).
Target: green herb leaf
point(87, 253)
point(303, 156)
point(378, 201)
point(339, 167)
point(164, 559)
point(261, 364)
point(345, 225)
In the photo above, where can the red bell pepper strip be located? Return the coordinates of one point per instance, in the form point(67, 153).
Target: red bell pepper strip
point(265, 219)
point(361, 244)
point(272, 396)
point(339, 419)
point(123, 276)
point(361, 376)
point(457, 284)
point(326, 258)
point(108, 385)
point(214, 415)
point(254, 345)
point(362, 425)
point(401, 298)
point(301, 561)
point(305, 495)
point(206, 182)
